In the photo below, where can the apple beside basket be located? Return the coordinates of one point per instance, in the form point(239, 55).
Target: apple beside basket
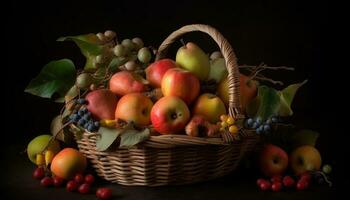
point(177, 159)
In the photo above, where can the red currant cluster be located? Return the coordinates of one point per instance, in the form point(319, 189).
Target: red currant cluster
point(277, 182)
point(79, 183)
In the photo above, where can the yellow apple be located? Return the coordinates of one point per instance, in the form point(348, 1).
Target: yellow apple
point(210, 106)
point(305, 158)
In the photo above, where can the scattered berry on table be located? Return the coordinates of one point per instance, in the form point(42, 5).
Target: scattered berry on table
point(39, 173)
point(72, 186)
point(84, 188)
point(46, 181)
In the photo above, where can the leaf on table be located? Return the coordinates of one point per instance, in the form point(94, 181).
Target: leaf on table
point(286, 98)
point(55, 77)
point(131, 137)
point(107, 137)
point(304, 137)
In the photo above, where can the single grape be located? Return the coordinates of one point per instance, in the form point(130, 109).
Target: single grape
point(97, 124)
point(144, 55)
point(276, 186)
point(327, 169)
point(233, 129)
point(86, 125)
point(274, 119)
point(81, 122)
point(57, 181)
point(255, 125)
point(258, 130)
point(104, 193)
point(258, 120)
point(230, 121)
point(89, 179)
point(86, 117)
point(119, 50)
point(84, 80)
point(72, 186)
point(223, 118)
point(268, 121)
point(215, 55)
point(91, 127)
point(84, 109)
point(39, 173)
point(79, 178)
point(128, 44)
point(46, 181)
point(137, 42)
point(110, 34)
point(130, 65)
point(224, 124)
point(99, 59)
point(267, 128)
point(250, 122)
point(288, 181)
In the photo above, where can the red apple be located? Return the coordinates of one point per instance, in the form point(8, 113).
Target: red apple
point(181, 83)
point(170, 115)
point(125, 82)
point(101, 104)
point(134, 107)
point(273, 160)
point(156, 71)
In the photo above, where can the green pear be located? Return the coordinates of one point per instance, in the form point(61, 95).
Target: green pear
point(217, 70)
point(193, 59)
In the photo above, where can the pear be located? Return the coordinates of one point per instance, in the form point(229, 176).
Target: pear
point(217, 70)
point(193, 59)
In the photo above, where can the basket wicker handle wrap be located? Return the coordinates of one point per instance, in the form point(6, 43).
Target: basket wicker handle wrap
point(228, 54)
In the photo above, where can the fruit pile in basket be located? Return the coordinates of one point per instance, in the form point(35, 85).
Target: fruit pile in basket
point(124, 95)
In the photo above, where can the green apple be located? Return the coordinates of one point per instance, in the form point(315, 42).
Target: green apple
point(217, 70)
point(38, 144)
point(193, 59)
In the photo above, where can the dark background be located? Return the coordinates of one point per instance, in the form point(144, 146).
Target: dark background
point(288, 33)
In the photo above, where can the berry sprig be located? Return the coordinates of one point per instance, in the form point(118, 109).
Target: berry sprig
point(229, 123)
point(260, 126)
point(82, 117)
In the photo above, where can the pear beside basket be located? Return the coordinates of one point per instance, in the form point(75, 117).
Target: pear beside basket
point(177, 159)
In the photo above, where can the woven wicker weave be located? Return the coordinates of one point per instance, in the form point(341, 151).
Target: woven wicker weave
point(176, 159)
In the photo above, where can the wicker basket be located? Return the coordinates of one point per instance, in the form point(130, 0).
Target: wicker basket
point(177, 159)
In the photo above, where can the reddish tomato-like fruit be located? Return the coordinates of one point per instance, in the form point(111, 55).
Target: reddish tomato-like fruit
point(79, 178)
point(276, 186)
point(57, 181)
point(104, 193)
point(276, 178)
point(302, 185)
point(84, 188)
point(39, 173)
point(72, 186)
point(89, 179)
point(46, 181)
point(265, 185)
point(288, 181)
point(259, 181)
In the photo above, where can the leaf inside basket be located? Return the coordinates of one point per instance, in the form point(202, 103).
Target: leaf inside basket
point(107, 137)
point(132, 137)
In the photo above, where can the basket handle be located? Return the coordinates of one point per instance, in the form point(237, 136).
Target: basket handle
point(227, 52)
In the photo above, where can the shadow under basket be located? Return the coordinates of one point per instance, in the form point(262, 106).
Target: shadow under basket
point(178, 159)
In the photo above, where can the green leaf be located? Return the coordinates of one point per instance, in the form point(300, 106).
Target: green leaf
point(304, 137)
point(56, 76)
point(271, 102)
point(132, 137)
point(56, 126)
point(268, 102)
point(286, 98)
point(107, 137)
point(90, 46)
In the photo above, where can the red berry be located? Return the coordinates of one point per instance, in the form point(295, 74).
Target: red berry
point(305, 176)
point(288, 181)
point(104, 193)
point(276, 178)
point(46, 181)
point(84, 188)
point(79, 178)
point(89, 179)
point(57, 181)
point(39, 173)
point(259, 181)
point(72, 186)
point(302, 185)
point(276, 186)
point(265, 185)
